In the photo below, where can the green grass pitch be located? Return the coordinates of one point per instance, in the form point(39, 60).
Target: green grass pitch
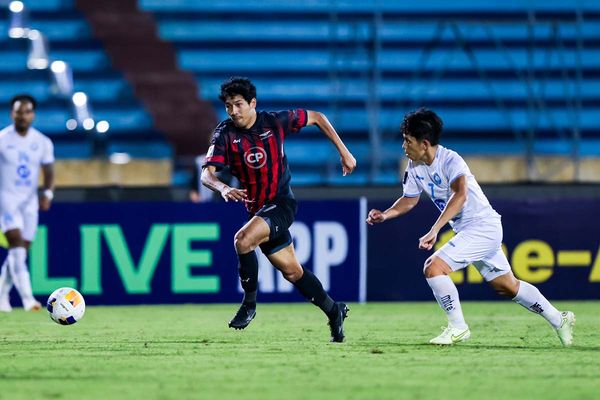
point(187, 352)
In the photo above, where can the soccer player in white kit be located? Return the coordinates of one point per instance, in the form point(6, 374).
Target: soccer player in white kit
point(447, 180)
point(23, 152)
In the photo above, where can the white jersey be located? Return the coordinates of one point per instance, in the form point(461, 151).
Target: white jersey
point(21, 158)
point(436, 179)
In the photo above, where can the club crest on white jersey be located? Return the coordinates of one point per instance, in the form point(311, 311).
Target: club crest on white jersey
point(436, 180)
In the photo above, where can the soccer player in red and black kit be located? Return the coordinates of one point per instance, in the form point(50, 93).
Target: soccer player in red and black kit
point(251, 144)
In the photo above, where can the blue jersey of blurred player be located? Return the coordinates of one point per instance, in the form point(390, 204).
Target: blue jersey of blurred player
point(24, 151)
point(447, 180)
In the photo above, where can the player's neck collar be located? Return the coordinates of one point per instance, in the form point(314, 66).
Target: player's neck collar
point(435, 156)
point(252, 127)
point(19, 133)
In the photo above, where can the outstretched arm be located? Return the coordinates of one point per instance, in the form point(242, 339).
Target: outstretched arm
point(454, 206)
point(400, 207)
point(210, 180)
point(321, 121)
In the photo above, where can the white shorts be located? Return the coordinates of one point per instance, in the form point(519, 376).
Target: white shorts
point(480, 245)
point(24, 218)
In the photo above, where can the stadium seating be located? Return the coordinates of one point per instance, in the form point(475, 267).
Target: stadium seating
point(496, 83)
point(110, 95)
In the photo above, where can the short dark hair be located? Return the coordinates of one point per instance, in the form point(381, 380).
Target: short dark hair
point(238, 85)
point(423, 124)
point(22, 98)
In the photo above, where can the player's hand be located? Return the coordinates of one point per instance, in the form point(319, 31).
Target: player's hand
point(194, 196)
point(375, 217)
point(234, 194)
point(45, 203)
point(426, 242)
point(348, 163)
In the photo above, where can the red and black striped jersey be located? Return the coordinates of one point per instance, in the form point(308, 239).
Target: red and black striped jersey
point(256, 156)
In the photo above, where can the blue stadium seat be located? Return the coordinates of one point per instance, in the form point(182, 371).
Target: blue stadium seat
point(488, 96)
point(393, 60)
point(324, 6)
point(321, 90)
point(81, 149)
point(458, 121)
point(245, 31)
point(100, 90)
point(306, 178)
point(393, 31)
point(141, 149)
point(110, 95)
point(123, 121)
point(67, 30)
point(357, 178)
point(49, 5)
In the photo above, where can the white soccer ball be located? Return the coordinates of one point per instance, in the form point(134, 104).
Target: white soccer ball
point(65, 306)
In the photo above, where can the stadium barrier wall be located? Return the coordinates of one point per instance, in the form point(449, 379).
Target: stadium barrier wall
point(152, 253)
point(551, 243)
point(148, 253)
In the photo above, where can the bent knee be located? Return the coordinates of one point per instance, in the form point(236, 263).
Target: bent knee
point(14, 238)
point(506, 285)
point(243, 242)
point(434, 266)
point(292, 274)
point(509, 291)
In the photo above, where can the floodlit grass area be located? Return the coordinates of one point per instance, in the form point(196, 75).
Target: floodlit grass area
point(187, 352)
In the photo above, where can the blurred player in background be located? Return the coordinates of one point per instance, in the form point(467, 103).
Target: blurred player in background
point(447, 180)
point(23, 152)
point(251, 144)
point(198, 193)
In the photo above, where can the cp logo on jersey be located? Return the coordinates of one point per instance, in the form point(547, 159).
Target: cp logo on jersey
point(255, 157)
point(23, 171)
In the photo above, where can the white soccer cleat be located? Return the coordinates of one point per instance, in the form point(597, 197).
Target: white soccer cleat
point(5, 307)
point(451, 335)
point(33, 306)
point(565, 330)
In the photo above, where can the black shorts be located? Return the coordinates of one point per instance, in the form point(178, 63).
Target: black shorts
point(279, 214)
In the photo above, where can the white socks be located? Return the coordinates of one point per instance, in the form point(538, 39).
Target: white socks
point(446, 294)
point(20, 274)
point(5, 283)
point(531, 298)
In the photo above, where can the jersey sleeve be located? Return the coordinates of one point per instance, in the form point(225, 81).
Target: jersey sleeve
point(455, 167)
point(48, 155)
point(292, 120)
point(217, 151)
point(410, 188)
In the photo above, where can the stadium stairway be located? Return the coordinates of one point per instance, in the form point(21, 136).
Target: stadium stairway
point(149, 64)
point(84, 158)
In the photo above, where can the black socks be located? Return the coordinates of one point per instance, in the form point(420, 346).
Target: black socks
point(311, 288)
point(248, 271)
point(309, 285)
